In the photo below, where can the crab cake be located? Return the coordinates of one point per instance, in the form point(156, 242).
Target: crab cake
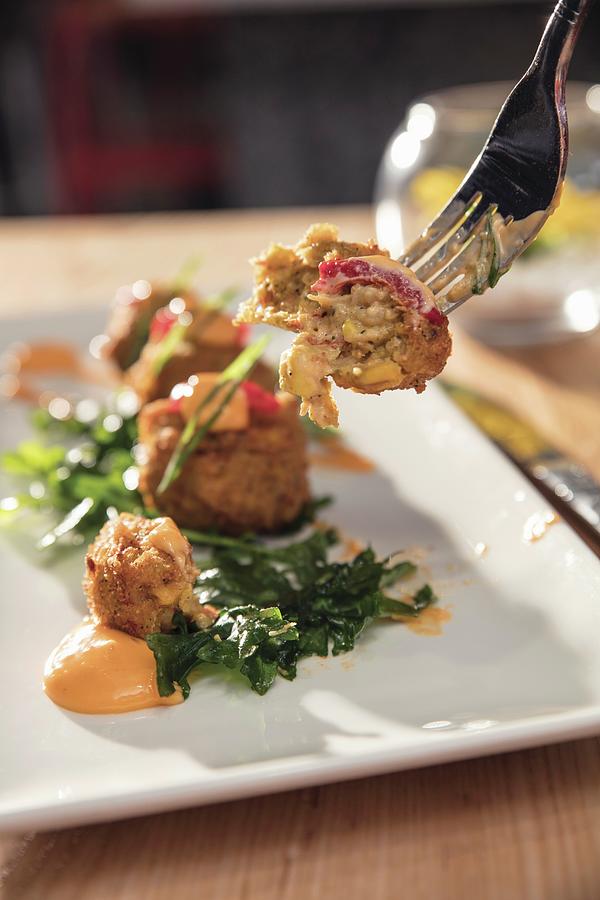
point(129, 322)
point(366, 322)
point(138, 572)
point(247, 474)
point(283, 275)
point(206, 340)
point(369, 325)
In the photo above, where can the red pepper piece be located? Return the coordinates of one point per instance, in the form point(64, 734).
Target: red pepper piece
point(162, 323)
point(260, 400)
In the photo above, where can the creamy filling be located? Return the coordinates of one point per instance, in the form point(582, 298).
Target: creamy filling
point(336, 275)
point(166, 536)
point(304, 371)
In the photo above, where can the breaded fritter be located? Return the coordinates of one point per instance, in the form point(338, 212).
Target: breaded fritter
point(369, 325)
point(284, 275)
point(363, 320)
point(209, 343)
point(236, 481)
point(138, 572)
point(129, 322)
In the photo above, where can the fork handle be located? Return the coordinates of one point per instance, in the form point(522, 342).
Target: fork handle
point(552, 58)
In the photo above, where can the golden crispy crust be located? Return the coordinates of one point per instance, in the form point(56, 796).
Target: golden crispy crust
point(283, 275)
point(421, 355)
point(254, 480)
point(133, 585)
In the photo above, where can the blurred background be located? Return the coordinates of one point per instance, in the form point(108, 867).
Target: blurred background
point(143, 105)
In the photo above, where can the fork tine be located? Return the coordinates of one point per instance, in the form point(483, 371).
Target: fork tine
point(474, 258)
point(447, 223)
point(456, 296)
point(444, 255)
point(475, 262)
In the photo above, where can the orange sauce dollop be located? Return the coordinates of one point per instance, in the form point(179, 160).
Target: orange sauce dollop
point(96, 669)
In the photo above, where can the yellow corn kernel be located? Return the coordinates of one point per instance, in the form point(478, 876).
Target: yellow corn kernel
point(297, 372)
point(351, 331)
point(298, 382)
point(380, 373)
point(167, 594)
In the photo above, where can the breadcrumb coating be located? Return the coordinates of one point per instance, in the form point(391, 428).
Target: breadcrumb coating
point(138, 572)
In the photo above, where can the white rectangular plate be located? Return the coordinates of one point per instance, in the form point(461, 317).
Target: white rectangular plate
point(518, 663)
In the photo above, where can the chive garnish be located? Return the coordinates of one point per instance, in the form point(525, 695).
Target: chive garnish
point(185, 276)
point(170, 342)
point(227, 383)
point(218, 302)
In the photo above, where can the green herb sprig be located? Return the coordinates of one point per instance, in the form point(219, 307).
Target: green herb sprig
point(260, 643)
point(177, 333)
point(194, 432)
point(76, 470)
point(170, 342)
point(184, 278)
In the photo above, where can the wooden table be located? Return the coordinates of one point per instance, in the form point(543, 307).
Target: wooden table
point(522, 826)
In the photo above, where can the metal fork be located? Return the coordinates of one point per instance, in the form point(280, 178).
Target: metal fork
point(514, 184)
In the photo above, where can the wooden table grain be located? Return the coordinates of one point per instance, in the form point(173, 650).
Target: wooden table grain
point(518, 826)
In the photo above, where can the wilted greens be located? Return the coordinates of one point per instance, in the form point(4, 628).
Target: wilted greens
point(77, 469)
point(279, 604)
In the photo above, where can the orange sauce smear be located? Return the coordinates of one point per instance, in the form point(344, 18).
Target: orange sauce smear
point(99, 670)
point(23, 361)
point(351, 548)
point(332, 454)
point(430, 622)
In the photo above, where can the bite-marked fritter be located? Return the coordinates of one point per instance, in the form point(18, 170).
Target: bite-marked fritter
point(363, 321)
point(284, 275)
